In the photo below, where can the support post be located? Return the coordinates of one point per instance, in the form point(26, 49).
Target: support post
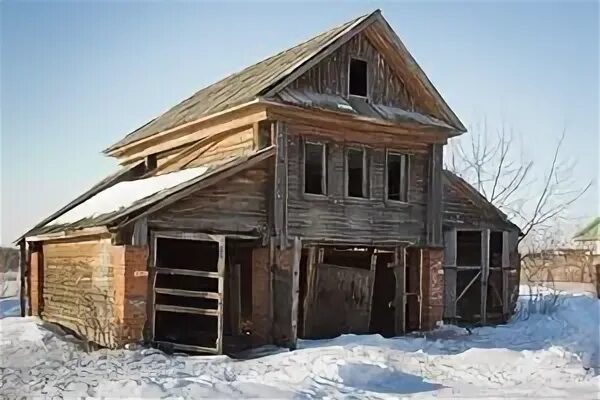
point(505, 275)
point(281, 190)
point(23, 275)
point(295, 290)
point(310, 282)
point(434, 196)
point(450, 274)
point(400, 299)
point(485, 272)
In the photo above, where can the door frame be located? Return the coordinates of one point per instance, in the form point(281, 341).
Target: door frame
point(220, 274)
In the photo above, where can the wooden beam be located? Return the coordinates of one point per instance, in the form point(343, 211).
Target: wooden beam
point(372, 269)
point(187, 272)
point(187, 347)
point(187, 310)
point(310, 283)
point(295, 290)
point(400, 298)
point(485, 272)
point(280, 191)
point(141, 151)
point(505, 275)
point(434, 196)
point(349, 122)
point(450, 274)
point(185, 128)
point(93, 231)
point(23, 273)
point(188, 293)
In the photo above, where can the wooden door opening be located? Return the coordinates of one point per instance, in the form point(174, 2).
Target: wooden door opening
point(468, 276)
point(495, 288)
point(188, 292)
point(383, 312)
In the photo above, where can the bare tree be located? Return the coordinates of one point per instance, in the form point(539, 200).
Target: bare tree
point(533, 196)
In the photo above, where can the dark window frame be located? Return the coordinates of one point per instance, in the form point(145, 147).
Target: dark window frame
point(366, 62)
point(404, 198)
point(324, 182)
point(365, 172)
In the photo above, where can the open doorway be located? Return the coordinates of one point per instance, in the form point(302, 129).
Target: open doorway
point(384, 293)
point(494, 304)
point(468, 276)
point(188, 293)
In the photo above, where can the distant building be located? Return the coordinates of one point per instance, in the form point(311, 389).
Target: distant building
point(589, 237)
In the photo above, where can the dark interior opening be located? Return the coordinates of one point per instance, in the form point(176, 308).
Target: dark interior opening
point(238, 287)
point(468, 308)
point(384, 292)
point(356, 172)
point(196, 255)
point(468, 248)
point(181, 326)
point(350, 257)
point(358, 78)
point(494, 295)
point(314, 168)
point(397, 179)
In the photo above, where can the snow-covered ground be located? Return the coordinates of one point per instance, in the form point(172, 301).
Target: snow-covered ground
point(547, 351)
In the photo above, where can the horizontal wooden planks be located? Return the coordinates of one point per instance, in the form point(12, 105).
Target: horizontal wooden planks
point(79, 288)
point(336, 217)
point(236, 204)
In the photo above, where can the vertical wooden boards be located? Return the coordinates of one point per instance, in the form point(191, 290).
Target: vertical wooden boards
point(221, 290)
point(485, 272)
point(140, 232)
point(23, 276)
point(450, 274)
point(282, 296)
point(281, 183)
point(262, 299)
point(310, 283)
point(295, 290)
point(371, 289)
point(505, 276)
point(341, 301)
point(400, 300)
point(434, 196)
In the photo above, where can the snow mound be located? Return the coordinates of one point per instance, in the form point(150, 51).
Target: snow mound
point(537, 355)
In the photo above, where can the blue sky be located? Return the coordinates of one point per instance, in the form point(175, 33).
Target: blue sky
point(76, 77)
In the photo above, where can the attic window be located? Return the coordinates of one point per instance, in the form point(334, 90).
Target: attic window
point(315, 178)
point(357, 85)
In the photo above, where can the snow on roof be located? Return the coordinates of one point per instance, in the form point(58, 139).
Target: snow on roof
point(124, 194)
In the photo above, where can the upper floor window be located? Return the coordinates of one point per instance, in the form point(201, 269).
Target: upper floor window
point(397, 176)
point(356, 173)
point(315, 168)
point(357, 81)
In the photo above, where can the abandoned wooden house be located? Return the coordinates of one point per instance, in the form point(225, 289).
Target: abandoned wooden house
point(301, 197)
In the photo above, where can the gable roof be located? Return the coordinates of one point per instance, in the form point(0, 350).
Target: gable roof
point(477, 199)
point(126, 201)
point(267, 77)
point(590, 233)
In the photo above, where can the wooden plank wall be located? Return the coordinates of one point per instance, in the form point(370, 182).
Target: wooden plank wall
point(337, 218)
point(208, 151)
point(331, 75)
point(79, 290)
point(237, 204)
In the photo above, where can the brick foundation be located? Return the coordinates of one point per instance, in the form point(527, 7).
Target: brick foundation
point(433, 287)
point(130, 285)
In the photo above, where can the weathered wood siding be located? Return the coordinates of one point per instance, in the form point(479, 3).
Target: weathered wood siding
point(350, 290)
point(79, 288)
point(237, 204)
point(209, 151)
point(330, 76)
point(336, 217)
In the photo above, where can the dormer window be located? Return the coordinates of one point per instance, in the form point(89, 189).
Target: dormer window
point(357, 81)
